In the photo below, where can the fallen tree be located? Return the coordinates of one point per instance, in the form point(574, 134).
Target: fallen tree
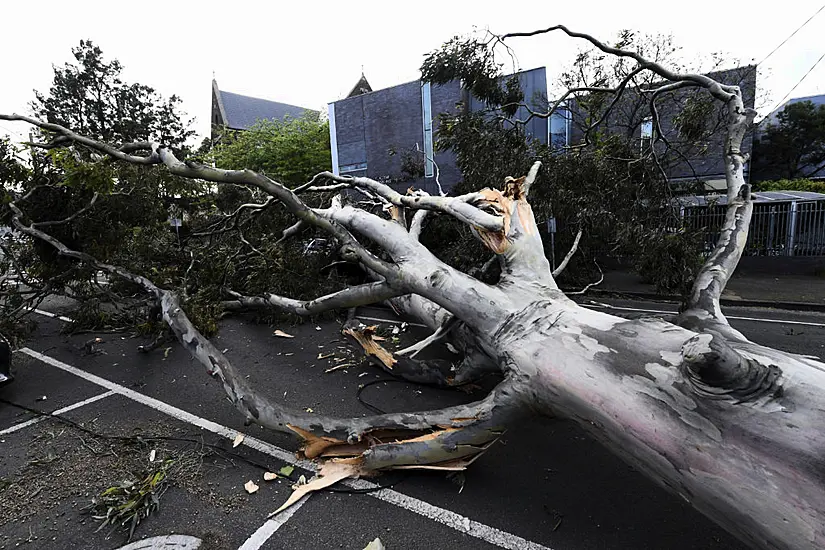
point(735, 428)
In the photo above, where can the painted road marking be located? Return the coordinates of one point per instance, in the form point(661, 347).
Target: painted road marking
point(591, 305)
point(77, 405)
point(594, 305)
point(50, 314)
point(394, 321)
point(259, 537)
point(449, 518)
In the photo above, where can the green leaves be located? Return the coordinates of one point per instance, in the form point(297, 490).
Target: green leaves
point(473, 62)
point(89, 97)
point(793, 148)
point(77, 174)
point(131, 501)
point(290, 151)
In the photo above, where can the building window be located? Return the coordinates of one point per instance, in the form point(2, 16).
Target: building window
point(560, 127)
point(646, 133)
point(357, 167)
point(427, 117)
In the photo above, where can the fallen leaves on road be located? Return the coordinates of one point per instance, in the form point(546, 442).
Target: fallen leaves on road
point(250, 487)
point(282, 334)
point(375, 545)
point(269, 476)
point(238, 440)
point(341, 366)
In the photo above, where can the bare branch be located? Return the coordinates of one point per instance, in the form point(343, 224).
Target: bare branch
point(591, 285)
point(720, 91)
point(361, 295)
point(118, 153)
point(440, 333)
point(460, 208)
point(563, 265)
point(530, 178)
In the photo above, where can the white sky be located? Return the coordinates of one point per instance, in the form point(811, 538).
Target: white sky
point(310, 53)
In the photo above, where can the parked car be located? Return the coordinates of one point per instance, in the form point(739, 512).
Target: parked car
point(5, 361)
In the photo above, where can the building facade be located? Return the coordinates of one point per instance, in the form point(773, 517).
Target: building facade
point(692, 123)
point(389, 134)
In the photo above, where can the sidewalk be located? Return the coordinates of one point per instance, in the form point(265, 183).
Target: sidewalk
point(759, 290)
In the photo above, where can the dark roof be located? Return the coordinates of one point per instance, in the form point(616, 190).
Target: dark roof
point(242, 111)
point(361, 87)
point(759, 197)
point(772, 118)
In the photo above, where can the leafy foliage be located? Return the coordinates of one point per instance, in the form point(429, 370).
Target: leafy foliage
point(132, 501)
point(801, 184)
point(90, 97)
point(475, 61)
point(793, 148)
point(615, 195)
point(290, 151)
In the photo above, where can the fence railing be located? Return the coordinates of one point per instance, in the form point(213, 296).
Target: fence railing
point(792, 228)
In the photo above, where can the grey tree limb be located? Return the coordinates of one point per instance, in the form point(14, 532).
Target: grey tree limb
point(570, 253)
point(361, 295)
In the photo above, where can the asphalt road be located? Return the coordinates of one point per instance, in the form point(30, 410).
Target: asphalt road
point(545, 485)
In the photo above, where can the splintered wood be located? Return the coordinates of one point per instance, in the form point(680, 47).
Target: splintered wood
point(368, 340)
point(330, 473)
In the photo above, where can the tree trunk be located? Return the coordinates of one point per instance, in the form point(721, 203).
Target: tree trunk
point(752, 459)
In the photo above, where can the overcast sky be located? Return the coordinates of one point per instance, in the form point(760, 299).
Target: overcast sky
point(311, 52)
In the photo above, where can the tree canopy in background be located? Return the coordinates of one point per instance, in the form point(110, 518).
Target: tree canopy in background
point(180, 232)
point(611, 190)
point(90, 97)
point(795, 146)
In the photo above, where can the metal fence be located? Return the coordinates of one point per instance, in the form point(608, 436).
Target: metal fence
point(792, 228)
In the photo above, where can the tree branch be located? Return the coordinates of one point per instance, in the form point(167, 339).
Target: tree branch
point(720, 91)
point(431, 437)
point(460, 208)
point(563, 265)
point(361, 295)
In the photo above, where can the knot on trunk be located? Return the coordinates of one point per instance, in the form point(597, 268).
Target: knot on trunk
point(717, 371)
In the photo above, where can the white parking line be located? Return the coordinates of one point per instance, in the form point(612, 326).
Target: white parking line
point(66, 409)
point(394, 321)
point(449, 518)
point(50, 314)
point(599, 305)
point(259, 537)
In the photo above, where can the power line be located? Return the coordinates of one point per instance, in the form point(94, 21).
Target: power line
point(798, 83)
point(13, 131)
point(792, 34)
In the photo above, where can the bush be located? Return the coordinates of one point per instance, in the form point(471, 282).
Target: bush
point(814, 186)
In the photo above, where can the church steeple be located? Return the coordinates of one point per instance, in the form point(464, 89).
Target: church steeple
point(361, 87)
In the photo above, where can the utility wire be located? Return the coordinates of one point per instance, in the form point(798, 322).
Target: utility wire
point(798, 83)
point(792, 34)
